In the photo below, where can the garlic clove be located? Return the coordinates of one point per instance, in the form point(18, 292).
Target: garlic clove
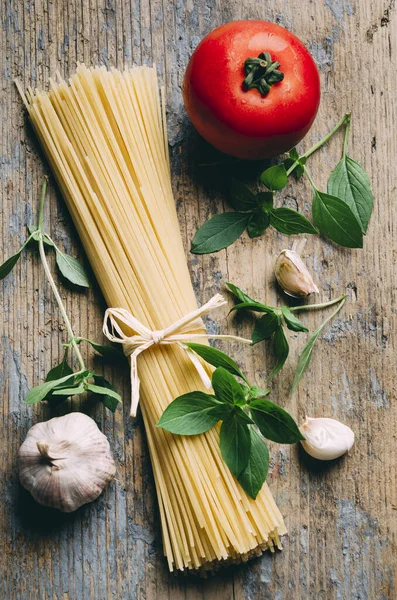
point(326, 439)
point(293, 275)
point(65, 462)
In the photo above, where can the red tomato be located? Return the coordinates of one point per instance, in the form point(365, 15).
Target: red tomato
point(248, 123)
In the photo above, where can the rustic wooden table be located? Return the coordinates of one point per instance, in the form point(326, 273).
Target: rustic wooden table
point(342, 516)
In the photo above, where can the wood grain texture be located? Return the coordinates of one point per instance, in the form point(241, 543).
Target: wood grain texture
point(341, 517)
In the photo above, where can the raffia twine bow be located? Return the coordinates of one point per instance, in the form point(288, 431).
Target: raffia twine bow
point(187, 328)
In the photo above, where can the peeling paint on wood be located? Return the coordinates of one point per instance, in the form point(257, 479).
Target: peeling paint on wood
point(341, 517)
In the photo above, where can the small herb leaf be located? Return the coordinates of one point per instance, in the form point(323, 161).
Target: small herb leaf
point(235, 444)
point(71, 269)
point(189, 414)
point(67, 392)
point(219, 232)
point(109, 352)
point(275, 178)
point(242, 416)
point(111, 402)
point(9, 264)
point(265, 200)
point(336, 220)
point(103, 391)
point(292, 321)
point(255, 473)
point(59, 371)
point(254, 306)
point(350, 182)
point(216, 358)
point(281, 350)
point(290, 222)
point(265, 327)
point(241, 197)
point(274, 422)
point(258, 223)
point(226, 388)
point(242, 296)
point(40, 392)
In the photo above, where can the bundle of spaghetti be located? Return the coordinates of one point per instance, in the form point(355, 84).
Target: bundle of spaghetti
point(104, 134)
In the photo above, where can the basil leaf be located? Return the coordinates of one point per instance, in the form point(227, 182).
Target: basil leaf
point(275, 178)
point(265, 327)
point(274, 422)
point(109, 352)
point(290, 222)
point(336, 220)
point(235, 444)
point(103, 391)
point(350, 182)
point(216, 358)
point(40, 392)
point(189, 414)
point(257, 392)
point(9, 264)
point(281, 350)
point(265, 200)
point(222, 411)
point(219, 232)
point(59, 371)
point(67, 392)
point(307, 351)
point(294, 154)
point(254, 475)
point(239, 293)
point(292, 321)
point(257, 224)
point(226, 388)
point(242, 416)
point(71, 269)
point(254, 306)
point(241, 197)
point(111, 402)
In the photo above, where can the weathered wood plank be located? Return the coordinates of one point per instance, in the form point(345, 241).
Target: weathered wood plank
point(341, 517)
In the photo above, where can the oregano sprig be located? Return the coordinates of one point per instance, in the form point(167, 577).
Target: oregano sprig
point(61, 381)
point(274, 321)
point(342, 214)
point(243, 409)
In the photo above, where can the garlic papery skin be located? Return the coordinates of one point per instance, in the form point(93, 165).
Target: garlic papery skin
point(293, 276)
point(65, 462)
point(326, 439)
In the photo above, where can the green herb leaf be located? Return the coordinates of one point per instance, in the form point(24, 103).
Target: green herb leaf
point(265, 327)
point(189, 414)
point(216, 358)
point(265, 200)
point(258, 223)
point(290, 222)
point(281, 350)
point(109, 352)
point(71, 269)
point(219, 232)
point(226, 388)
point(9, 264)
point(254, 306)
point(34, 231)
point(40, 392)
point(111, 402)
point(307, 351)
point(59, 371)
point(242, 416)
point(336, 220)
point(275, 178)
point(241, 198)
point(235, 444)
point(292, 321)
point(254, 475)
point(103, 391)
point(350, 182)
point(67, 392)
point(239, 293)
point(274, 422)
point(257, 392)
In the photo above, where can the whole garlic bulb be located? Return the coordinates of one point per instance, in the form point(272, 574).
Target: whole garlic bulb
point(293, 276)
point(326, 439)
point(65, 462)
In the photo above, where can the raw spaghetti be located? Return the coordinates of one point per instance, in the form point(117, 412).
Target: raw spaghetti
point(104, 135)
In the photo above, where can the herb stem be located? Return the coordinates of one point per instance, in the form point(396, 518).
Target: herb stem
point(52, 282)
point(317, 145)
point(317, 306)
point(347, 131)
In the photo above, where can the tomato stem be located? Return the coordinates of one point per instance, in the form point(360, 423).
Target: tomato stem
point(261, 73)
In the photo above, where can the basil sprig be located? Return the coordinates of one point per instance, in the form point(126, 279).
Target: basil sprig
point(272, 325)
point(62, 381)
point(342, 214)
point(240, 406)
